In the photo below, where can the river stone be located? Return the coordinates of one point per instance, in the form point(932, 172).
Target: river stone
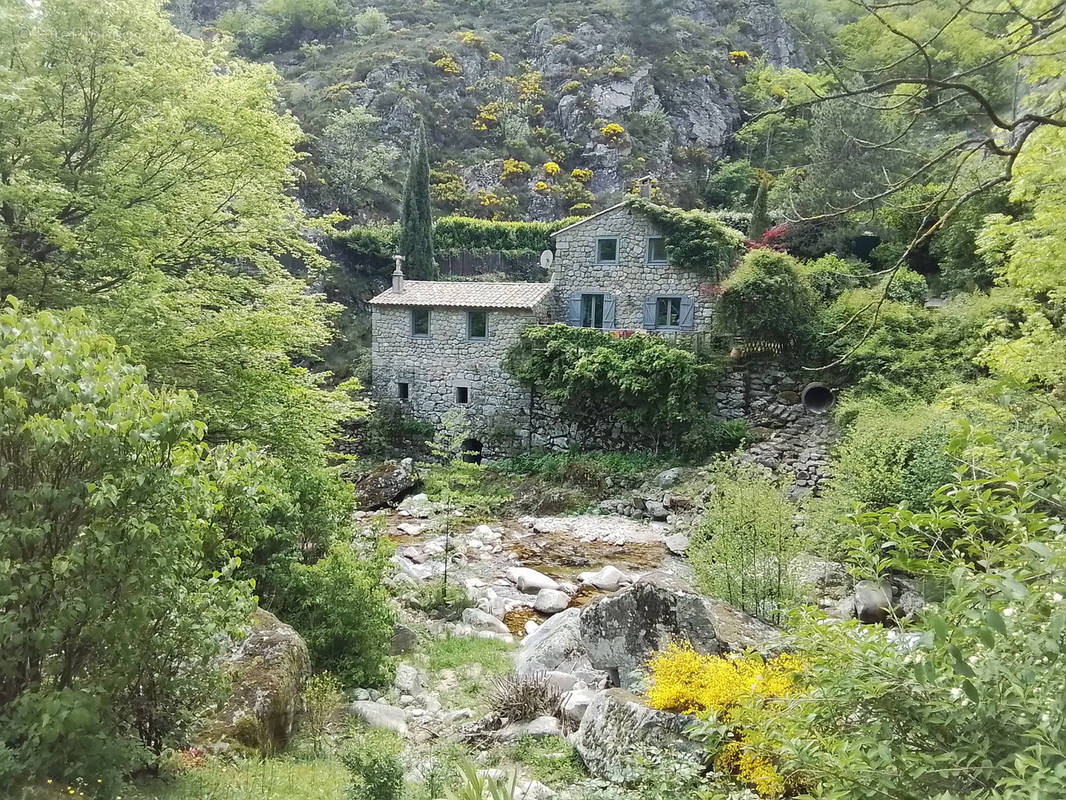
point(872, 602)
point(619, 633)
point(385, 484)
point(676, 543)
point(541, 727)
point(669, 478)
point(575, 703)
point(617, 725)
point(608, 579)
point(408, 681)
point(555, 645)
point(551, 601)
point(529, 580)
point(380, 715)
point(479, 620)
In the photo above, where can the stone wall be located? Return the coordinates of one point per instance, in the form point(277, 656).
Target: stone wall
point(434, 366)
point(632, 278)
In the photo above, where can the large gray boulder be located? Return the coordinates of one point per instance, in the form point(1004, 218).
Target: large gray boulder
point(619, 633)
point(380, 715)
point(555, 645)
point(268, 669)
point(617, 725)
point(385, 484)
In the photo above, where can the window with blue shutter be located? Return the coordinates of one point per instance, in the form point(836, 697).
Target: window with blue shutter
point(608, 312)
point(688, 314)
point(573, 311)
point(670, 312)
point(649, 312)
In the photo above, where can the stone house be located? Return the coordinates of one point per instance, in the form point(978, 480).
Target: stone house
point(440, 345)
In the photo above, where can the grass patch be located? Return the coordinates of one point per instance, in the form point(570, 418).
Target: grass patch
point(453, 652)
point(268, 779)
point(554, 762)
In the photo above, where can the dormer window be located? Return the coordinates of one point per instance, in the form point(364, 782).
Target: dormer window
point(656, 250)
point(607, 250)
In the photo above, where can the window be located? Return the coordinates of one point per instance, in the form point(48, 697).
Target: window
point(668, 312)
point(592, 311)
point(607, 250)
point(656, 250)
point(403, 391)
point(462, 395)
point(420, 322)
point(477, 324)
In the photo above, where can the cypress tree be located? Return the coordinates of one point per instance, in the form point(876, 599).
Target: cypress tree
point(760, 220)
point(416, 218)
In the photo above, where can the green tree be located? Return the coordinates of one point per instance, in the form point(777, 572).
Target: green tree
point(760, 218)
point(416, 217)
point(111, 610)
point(355, 163)
point(768, 299)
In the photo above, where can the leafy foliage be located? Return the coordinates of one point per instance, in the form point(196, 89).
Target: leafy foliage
point(595, 378)
point(696, 241)
point(768, 299)
point(743, 545)
point(830, 276)
point(372, 759)
point(106, 491)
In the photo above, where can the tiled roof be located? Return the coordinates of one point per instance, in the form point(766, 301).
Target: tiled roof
point(581, 222)
point(465, 294)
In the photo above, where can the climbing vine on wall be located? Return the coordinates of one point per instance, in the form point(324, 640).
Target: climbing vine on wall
point(695, 240)
point(650, 387)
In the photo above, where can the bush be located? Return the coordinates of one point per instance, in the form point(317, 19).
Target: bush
point(906, 286)
point(892, 455)
point(743, 546)
point(732, 185)
point(322, 697)
point(342, 610)
point(110, 618)
point(372, 758)
point(830, 276)
point(443, 600)
point(712, 435)
point(371, 20)
point(768, 299)
point(697, 241)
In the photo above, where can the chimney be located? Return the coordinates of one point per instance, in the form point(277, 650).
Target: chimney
point(645, 186)
point(397, 275)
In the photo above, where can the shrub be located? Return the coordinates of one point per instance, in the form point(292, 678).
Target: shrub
point(321, 699)
point(570, 87)
point(551, 168)
point(892, 455)
point(521, 697)
point(111, 612)
point(372, 758)
point(711, 435)
point(448, 65)
point(743, 546)
point(513, 168)
point(732, 185)
point(688, 682)
point(613, 132)
point(581, 175)
point(906, 286)
point(443, 600)
point(830, 276)
point(342, 610)
point(768, 299)
point(371, 20)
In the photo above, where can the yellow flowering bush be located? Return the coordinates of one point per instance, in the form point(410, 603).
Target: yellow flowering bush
point(541, 186)
point(551, 168)
point(613, 132)
point(570, 87)
point(739, 57)
point(471, 39)
point(494, 56)
point(689, 682)
point(488, 116)
point(581, 175)
point(753, 768)
point(448, 65)
point(513, 168)
point(529, 85)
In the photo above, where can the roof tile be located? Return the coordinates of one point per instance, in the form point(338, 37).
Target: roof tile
point(465, 294)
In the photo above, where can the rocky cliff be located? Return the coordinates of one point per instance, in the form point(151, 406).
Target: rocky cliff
point(537, 109)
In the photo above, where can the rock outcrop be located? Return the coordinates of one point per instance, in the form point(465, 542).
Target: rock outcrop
point(268, 669)
point(385, 484)
point(617, 725)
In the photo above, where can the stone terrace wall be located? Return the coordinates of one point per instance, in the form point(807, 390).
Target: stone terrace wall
point(630, 280)
point(433, 366)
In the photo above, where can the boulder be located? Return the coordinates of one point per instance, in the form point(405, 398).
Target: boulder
point(380, 715)
point(617, 725)
point(608, 579)
point(541, 726)
point(479, 620)
point(619, 633)
point(551, 601)
point(677, 543)
point(529, 580)
point(575, 703)
point(669, 478)
point(404, 640)
point(555, 645)
point(416, 505)
point(819, 578)
point(873, 601)
point(268, 669)
point(408, 681)
point(385, 484)
point(656, 510)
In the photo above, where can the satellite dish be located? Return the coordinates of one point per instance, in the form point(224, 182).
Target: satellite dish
point(547, 258)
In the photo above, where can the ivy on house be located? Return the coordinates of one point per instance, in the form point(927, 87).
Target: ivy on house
point(651, 388)
point(696, 241)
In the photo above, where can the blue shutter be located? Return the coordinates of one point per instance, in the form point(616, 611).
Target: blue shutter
point(688, 314)
point(649, 312)
point(608, 311)
point(573, 311)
